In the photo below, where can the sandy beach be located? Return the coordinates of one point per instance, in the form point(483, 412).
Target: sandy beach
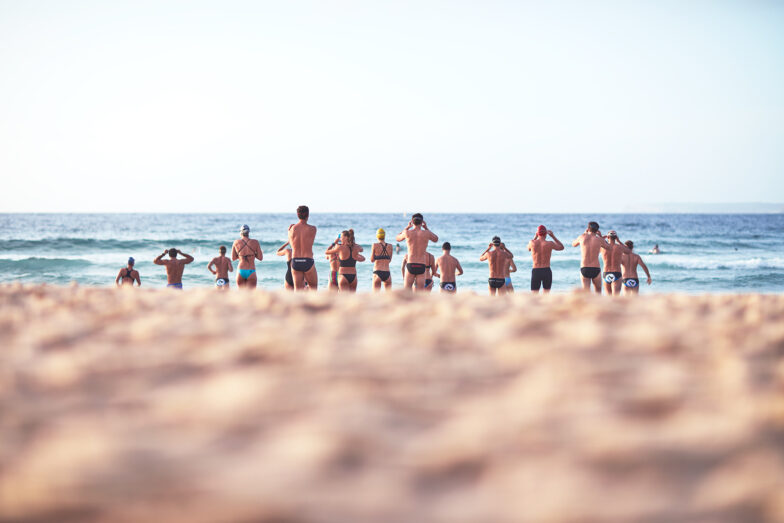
point(151, 405)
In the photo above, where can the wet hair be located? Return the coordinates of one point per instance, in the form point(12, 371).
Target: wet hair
point(447, 246)
point(303, 212)
point(629, 244)
point(350, 235)
point(593, 226)
point(173, 252)
point(417, 218)
point(222, 249)
point(496, 240)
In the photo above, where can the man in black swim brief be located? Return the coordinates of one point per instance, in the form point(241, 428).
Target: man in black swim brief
point(496, 283)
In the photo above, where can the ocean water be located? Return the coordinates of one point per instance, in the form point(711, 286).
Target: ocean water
point(700, 252)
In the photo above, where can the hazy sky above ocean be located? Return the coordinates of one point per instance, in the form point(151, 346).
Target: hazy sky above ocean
point(441, 106)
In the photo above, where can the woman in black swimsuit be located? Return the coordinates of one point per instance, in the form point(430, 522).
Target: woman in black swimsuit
point(380, 255)
point(285, 250)
point(349, 254)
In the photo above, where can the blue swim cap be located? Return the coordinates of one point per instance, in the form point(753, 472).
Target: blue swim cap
point(131, 261)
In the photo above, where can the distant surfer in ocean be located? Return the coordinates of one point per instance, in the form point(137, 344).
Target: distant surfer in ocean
point(381, 256)
point(174, 266)
point(611, 259)
point(629, 262)
point(128, 275)
point(301, 238)
point(416, 235)
point(590, 243)
point(497, 257)
point(541, 251)
point(221, 266)
point(247, 251)
point(446, 266)
point(656, 250)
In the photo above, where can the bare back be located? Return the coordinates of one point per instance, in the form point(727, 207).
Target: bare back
point(629, 264)
point(221, 264)
point(611, 257)
point(247, 251)
point(498, 262)
point(541, 252)
point(447, 266)
point(174, 269)
point(416, 241)
point(590, 245)
point(301, 238)
point(384, 250)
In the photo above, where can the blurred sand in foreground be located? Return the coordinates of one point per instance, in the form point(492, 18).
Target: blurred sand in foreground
point(119, 405)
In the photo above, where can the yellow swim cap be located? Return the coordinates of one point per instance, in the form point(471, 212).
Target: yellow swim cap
point(380, 234)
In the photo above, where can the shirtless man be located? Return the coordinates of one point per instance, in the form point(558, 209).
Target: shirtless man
point(629, 262)
point(301, 238)
point(381, 256)
point(590, 243)
point(541, 250)
point(128, 275)
point(247, 251)
point(446, 265)
point(174, 267)
point(611, 257)
point(221, 266)
point(497, 257)
point(417, 235)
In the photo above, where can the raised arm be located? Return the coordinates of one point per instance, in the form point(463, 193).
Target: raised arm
point(358, 256)
point(530, 245)
point(187, 258)
point(333, 249)
point(282, 249)
point(404, 234)
point(577, 241)
point(159, 259)
point(484, 255)
point(558, 245)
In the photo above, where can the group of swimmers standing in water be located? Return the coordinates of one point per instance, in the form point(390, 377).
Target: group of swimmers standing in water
point(419, 267)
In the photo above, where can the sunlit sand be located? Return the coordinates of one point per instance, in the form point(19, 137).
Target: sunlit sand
point(152, 405)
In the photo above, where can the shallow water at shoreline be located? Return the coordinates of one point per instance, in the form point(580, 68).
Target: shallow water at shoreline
point(701, 253)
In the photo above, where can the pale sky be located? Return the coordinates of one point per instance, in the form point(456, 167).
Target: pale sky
point(389, 106)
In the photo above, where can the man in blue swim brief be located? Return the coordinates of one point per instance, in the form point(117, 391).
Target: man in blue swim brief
point(174, 266)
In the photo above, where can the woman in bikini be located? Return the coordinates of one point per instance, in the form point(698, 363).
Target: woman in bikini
point(334, 266)
point(349, 254)
point(247, 251)
point(285, 250)
point(380, 255)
